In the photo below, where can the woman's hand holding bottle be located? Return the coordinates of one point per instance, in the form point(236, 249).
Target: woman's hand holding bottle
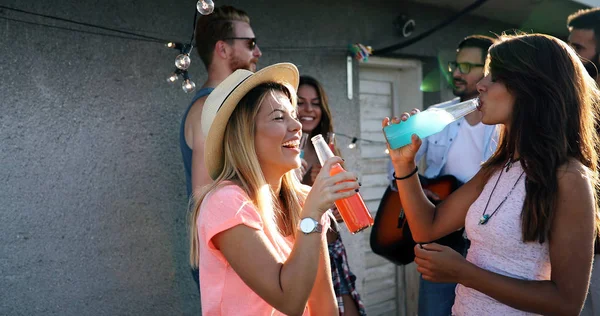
point(327, 189)
point(405, 155)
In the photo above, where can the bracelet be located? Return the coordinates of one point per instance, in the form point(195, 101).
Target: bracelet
point(408, 176)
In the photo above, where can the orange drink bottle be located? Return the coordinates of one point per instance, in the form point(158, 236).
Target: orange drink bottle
point(353, 209)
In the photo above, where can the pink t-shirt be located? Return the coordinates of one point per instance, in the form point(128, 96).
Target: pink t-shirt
point(223, 292)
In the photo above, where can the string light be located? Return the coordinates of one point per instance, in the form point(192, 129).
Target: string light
point(175, 45)
point(174, 76)
point(188, 85)
point(354, 142)
point(352, 145)
point(131, 35)
point(183, 61)
point(205, 7)
point(355, 139)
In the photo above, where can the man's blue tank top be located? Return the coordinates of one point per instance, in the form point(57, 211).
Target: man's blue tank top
point(186, 151)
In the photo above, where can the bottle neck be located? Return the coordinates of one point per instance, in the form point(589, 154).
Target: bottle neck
point(462, 109)
point(321, 148)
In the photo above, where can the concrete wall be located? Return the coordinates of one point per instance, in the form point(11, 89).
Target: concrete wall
point(92, 196)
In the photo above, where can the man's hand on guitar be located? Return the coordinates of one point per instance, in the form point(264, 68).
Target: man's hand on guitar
point(405, 154)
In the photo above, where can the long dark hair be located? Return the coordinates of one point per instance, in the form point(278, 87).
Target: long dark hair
point(553, 120)
point(326, 123)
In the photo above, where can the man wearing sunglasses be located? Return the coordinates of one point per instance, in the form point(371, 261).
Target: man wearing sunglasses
point(225, 42)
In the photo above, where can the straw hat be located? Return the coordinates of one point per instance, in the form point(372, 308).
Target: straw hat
point(225, 97)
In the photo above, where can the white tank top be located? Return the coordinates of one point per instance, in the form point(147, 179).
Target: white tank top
point(498, 247)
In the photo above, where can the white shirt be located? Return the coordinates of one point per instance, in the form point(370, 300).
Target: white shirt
point(464, 155)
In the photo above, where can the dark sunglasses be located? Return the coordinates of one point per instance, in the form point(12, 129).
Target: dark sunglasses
point(251, 41)
point(464, 68)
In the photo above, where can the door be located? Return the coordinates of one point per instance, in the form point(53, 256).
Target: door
point(387, 87)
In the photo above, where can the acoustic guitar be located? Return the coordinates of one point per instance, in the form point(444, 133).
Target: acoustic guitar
point(390, 235)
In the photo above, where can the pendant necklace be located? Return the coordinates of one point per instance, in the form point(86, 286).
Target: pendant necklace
point(486, 217)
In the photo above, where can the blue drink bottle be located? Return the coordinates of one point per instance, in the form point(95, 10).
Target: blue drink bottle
point(429, 122)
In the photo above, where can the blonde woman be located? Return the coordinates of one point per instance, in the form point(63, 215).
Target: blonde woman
point(257, 234)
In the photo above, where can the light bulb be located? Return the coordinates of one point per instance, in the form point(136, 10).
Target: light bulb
point(353, 143)
point(172, 78)
point(182, 61)
point(188, 86)
point(174, 45)
point(205, 7)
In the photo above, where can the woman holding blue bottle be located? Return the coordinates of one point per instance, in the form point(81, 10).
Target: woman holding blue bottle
point(530, 211)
